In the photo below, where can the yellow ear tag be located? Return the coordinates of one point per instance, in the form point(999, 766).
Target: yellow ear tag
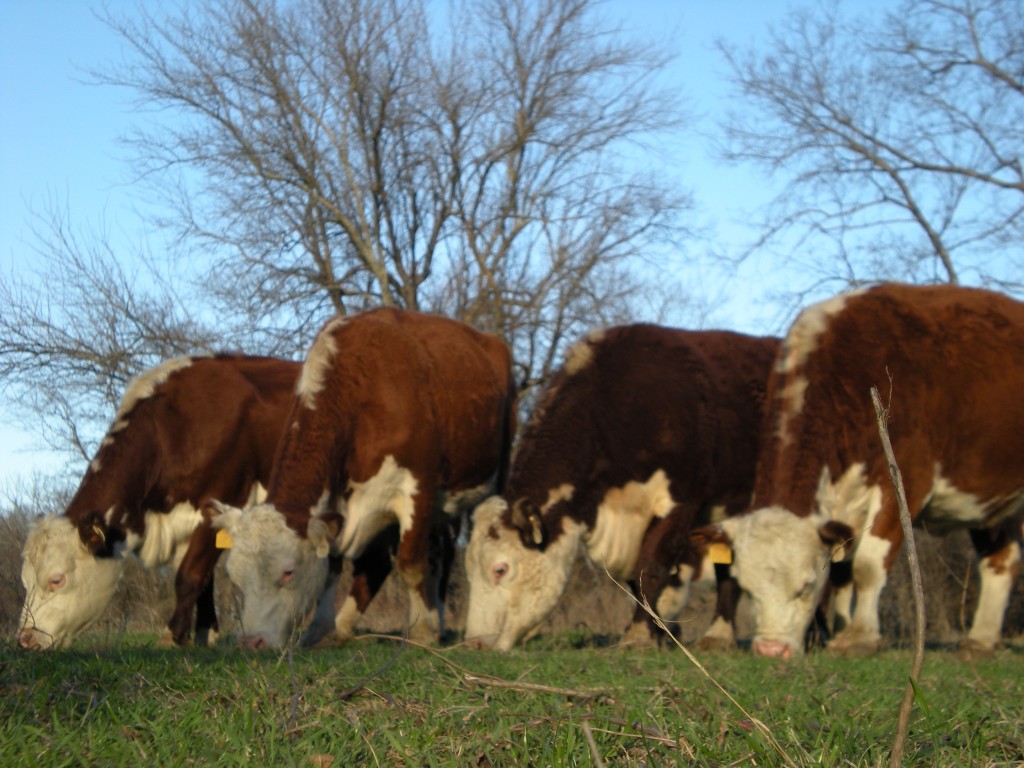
point(720, 554)
point(223, 539)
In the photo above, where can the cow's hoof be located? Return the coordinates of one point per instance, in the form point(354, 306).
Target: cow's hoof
point(330, 640)
point(970, 650)
point(854, 646)
point(318, 636)
point(715, 644)
point(166, 640)
point(207, 638)
point(424, 636)
point(638, 636)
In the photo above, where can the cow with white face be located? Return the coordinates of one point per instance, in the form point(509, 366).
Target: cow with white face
point(67, 587)
point(949, 361)
point(401, 419)
point(186, 429)
point(644, 432)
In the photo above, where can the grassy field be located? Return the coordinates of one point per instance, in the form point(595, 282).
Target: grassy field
point(561, 701)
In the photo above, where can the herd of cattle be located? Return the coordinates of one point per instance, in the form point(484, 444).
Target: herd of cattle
point(652, 451)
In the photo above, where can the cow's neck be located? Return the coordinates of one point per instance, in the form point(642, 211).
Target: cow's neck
point(788, 477)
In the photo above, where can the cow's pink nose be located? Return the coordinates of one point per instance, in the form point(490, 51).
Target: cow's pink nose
point(775, 649)
point(253, 642)
point(28, 639)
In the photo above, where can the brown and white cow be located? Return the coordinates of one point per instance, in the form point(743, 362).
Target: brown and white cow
point(413, 421)
point(642, 432)
point(950, 363)
point(188, 429)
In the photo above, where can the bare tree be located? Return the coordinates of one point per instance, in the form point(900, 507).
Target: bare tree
point(331, 155)
point(75, 330)
point(898, 140)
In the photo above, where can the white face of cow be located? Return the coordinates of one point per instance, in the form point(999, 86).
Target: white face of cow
point(512, 588)
point(781, 562)
point(279, 572)
point(66, 587)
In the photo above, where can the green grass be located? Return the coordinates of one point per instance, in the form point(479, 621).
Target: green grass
point(377, 702)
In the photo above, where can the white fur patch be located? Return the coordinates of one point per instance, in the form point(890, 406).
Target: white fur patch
point(166, 535)
point(453, 504)
point(623, 517)
point(318, 363)
point(579, 355)
point(850, 499)
point(372, 506)
point(141, 387)
point(145, 384)
point(869, 579)
point(346, 620)
point(949, 509)
point(673, 600)
point(798, 345)
point(564, 492)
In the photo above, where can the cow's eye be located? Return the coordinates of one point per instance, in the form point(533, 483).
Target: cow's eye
point(287, 575)
point(498, 571)
point(56, 582)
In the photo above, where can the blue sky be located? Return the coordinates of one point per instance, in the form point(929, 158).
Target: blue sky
point(59, 143)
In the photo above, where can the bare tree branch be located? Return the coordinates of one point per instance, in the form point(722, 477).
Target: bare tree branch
point(900, 135)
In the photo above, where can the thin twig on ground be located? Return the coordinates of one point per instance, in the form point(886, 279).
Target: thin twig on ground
point(477, 678)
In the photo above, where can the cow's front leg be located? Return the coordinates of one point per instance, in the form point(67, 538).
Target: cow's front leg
point(369, 572)
point(999, 561)
point(863, 637)
point(322, 623)
point(665, 566)
point(721, 633)
point(424, 623)
point(193, 588)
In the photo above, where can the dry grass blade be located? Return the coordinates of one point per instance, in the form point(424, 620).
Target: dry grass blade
point(487, 680)
point(760, 726)
point(592, 745)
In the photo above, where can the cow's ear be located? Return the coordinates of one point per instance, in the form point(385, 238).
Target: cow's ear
point(223, 517)
point(320, 536)
point(527, 519)
point(96, 535)
point(838, 537)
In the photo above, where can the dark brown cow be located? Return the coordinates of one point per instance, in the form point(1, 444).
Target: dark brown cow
point(948, 361)
point(642, 432)
point(189, 429)
point(414, 419)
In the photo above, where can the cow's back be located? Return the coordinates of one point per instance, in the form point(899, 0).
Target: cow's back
point(632, 399)
point(471, 391)
point(948, 362)
point(210, 427)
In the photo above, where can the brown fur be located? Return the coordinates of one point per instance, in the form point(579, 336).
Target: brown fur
point(946, 360)
point(209, 430)
point(647, 398)
point(433, 393)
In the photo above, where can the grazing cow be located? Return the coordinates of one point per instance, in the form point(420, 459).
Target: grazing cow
point(410, 424)
point(642, 432)
point(950, 363)
point(188, 429)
